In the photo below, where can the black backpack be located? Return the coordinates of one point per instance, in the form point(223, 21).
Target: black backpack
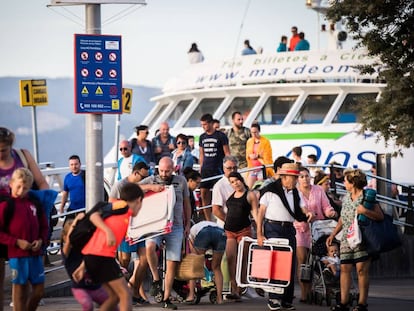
point(9, 211)
point(84, 228)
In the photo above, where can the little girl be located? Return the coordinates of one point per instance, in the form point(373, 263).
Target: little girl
point(85, 292)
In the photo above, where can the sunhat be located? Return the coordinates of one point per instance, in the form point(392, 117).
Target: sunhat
point(291, 169)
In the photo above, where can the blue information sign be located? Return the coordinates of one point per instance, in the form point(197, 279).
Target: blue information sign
point(98, 74)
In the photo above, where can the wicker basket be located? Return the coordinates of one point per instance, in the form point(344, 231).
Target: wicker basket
point(191, 267)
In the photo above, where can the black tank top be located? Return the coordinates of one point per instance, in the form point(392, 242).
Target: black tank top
point(238, 212)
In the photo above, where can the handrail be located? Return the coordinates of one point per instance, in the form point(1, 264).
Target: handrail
point(49, 170)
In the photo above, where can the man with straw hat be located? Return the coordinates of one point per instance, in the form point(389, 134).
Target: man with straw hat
point(280, 205)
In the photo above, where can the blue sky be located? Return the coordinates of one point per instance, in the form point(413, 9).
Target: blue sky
point(37, 42)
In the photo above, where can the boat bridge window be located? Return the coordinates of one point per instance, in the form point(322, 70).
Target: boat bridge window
point(177, 112)
point(350, 108)
point(314, 109)
point(275, 109)
point(242, 104)
point(207, 105)
point(157, 113)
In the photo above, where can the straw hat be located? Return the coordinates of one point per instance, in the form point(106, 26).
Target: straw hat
point(291, 169)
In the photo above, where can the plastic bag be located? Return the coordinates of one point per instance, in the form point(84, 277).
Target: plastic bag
point(353, 234)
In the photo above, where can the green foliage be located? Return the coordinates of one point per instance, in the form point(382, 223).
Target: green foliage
point(386, 29)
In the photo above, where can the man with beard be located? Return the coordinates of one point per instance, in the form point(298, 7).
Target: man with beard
point(179, 230)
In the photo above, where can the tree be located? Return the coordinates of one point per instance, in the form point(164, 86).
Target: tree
point(386, 29)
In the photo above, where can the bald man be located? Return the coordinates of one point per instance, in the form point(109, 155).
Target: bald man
point(163, 143)
point(180, 229)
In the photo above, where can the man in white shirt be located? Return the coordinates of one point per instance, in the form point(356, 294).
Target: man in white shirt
point(222, 190)
point(127, 160)
point(280, 205)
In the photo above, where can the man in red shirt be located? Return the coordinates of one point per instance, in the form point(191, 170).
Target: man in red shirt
point(294, 39)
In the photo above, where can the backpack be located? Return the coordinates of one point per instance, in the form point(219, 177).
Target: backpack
point(84, 228)
point(9, 211)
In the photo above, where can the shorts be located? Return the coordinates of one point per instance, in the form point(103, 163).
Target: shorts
point(102, 269)
point(210, 173)
point(24, 269)
point(125, 247)
point(173, 243)
point(211, 238)
point(303, 237)
point(86, 297)
point(239, 234)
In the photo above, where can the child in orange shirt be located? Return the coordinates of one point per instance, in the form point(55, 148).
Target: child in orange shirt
point(100, 252)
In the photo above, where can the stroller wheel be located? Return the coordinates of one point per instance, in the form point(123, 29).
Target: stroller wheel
point(243, 291)
point(213, 297)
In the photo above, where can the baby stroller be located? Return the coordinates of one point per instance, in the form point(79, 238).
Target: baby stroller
point(325, 286)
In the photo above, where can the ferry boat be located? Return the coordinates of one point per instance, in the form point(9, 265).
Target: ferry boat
point(305, 98)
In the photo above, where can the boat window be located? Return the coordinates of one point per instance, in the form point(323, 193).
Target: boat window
point(242, 104)
point(207, 105)
point(314, 109)
point(275, 109)
point(178, 112)
point(157, 113)
point(349, 111)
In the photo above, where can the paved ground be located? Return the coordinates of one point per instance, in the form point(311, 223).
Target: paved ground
point(385, 295)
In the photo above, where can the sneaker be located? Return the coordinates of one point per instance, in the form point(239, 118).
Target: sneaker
point(156, 288)
point(288, 306)
point(274, 304)
point(139, 301)
point(169, 305)
point(42, 302)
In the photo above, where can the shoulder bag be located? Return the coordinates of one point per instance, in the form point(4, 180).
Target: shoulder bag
point(379, 236)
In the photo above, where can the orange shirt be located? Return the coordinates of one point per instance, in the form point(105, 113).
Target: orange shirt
point(293, 41)
point(98, 245)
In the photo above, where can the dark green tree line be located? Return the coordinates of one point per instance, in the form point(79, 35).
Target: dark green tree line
point(386, 29)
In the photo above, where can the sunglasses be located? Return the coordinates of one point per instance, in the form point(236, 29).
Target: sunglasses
point(181, 142)
point(123, 149)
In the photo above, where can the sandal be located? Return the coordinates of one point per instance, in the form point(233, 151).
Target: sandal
point(340, 307)
point(360, 307)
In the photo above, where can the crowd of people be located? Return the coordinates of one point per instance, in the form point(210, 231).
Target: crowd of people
point(259, 201)
point(297, 42)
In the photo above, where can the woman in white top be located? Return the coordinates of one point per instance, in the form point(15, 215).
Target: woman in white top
point(194, 54)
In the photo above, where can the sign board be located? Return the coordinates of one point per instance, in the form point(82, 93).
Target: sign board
point(98, 74)
point(33, 93)
point(126, 100)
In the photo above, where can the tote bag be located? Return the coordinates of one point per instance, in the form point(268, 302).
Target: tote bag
point(353, 234)
point(379, 236)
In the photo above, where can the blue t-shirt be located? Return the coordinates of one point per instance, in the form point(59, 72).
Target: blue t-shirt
point(303, 45)
point(213, 149)
point(75, 186)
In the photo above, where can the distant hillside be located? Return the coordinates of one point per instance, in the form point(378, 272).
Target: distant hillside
point(61, 132)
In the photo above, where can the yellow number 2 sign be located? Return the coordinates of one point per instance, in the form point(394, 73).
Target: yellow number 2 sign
point(126, 100)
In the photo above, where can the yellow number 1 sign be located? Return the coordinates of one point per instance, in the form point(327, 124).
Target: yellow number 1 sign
point(33, 93)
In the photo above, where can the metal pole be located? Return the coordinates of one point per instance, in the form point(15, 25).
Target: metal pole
point(94, 127)
point(117, 126)
point(34, 125)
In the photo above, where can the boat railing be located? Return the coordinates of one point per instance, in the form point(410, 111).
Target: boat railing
point(397, 206)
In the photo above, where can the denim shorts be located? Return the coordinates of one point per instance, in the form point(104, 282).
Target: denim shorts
point(25, 269)
point(211, 238)
point(125, 247)
point(173, 243)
